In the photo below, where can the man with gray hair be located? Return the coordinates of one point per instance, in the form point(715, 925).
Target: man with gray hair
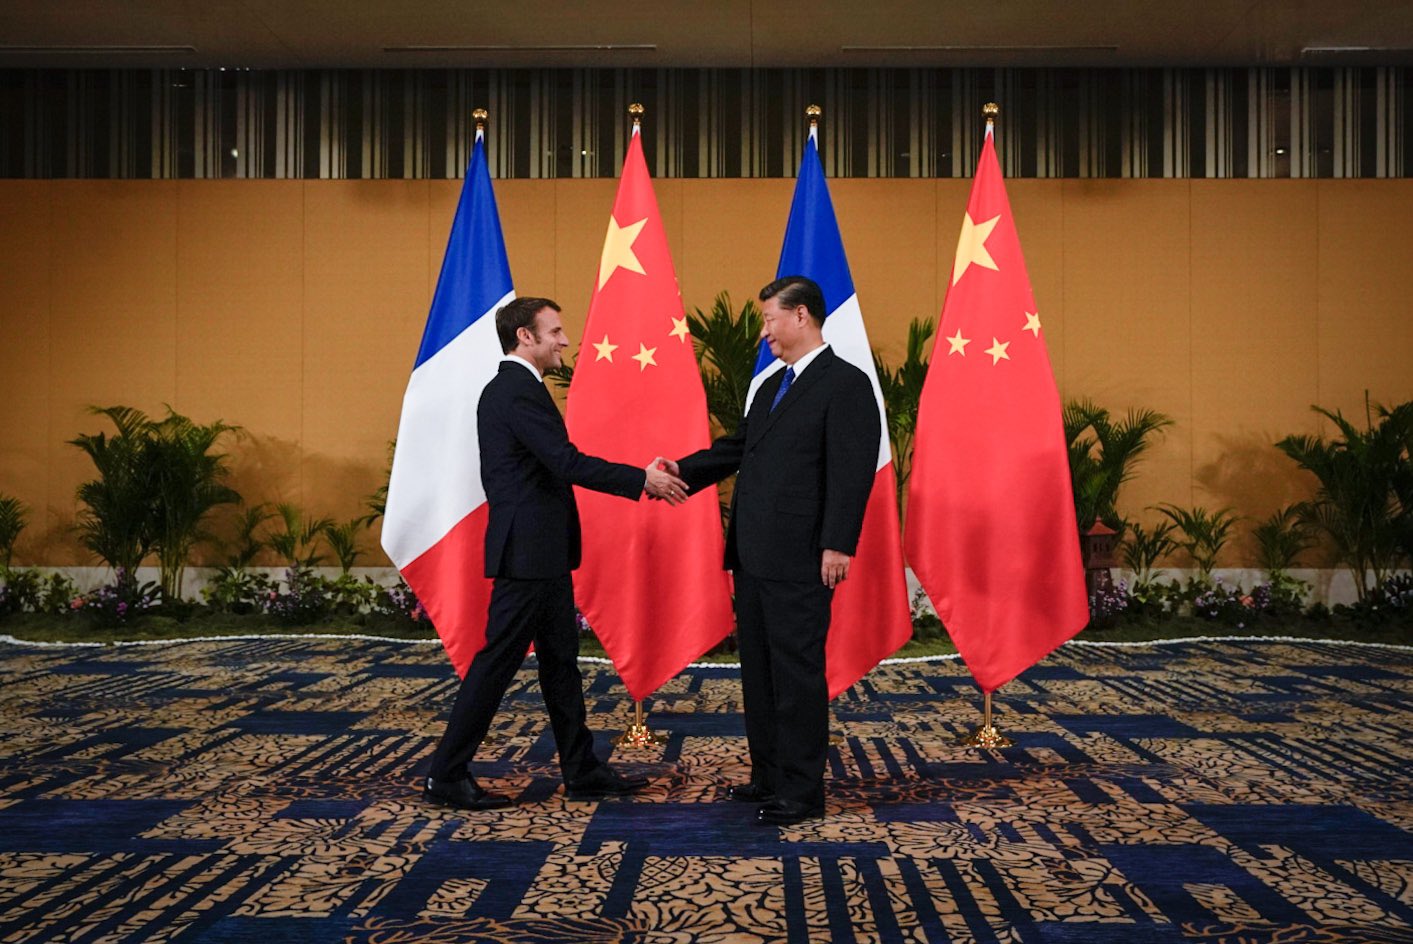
point(806, 454)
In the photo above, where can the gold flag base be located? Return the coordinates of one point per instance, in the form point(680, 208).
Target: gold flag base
point(638, 735)
point(985, 736)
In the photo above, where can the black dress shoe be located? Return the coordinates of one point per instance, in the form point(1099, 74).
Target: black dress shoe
point(463, 794)
point(750, 793)
point(788, 812)
point(603, 781)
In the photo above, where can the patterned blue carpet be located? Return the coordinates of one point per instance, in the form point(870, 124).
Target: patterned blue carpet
point(264, 791)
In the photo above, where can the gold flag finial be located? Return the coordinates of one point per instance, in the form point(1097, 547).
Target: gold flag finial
point(814, 111)
point(480, 116)
point(990, 110)
point(636, 110)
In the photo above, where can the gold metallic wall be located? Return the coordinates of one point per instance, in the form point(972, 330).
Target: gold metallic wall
point(294, 308)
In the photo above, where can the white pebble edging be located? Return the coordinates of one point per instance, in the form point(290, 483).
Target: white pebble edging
point(1306, 639)
point(249, 637)
point(599, 660)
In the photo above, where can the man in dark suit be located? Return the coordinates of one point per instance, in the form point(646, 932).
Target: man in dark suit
point(806, 453)
point(532, 544)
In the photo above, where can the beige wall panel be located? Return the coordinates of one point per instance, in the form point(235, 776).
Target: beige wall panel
point(113, 318)
point(731, 242)
point(24, 356)
point(1254, 346)
point(442, 199)
point(1230, 305)
point(527, 217)
point(368, 282)
point(670, 202)
point(1039, 210)
point(1365, 293)
point(240, 338)
point(1127, 317)
point(890, 235)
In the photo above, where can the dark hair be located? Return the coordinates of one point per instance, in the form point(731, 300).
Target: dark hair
point(794, 291)
point(516, 314)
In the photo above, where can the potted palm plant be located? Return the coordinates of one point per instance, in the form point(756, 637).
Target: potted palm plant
point(1104, 454)
point(1363, 501)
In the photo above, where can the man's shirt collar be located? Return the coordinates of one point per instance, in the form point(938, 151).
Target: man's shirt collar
point(517, 359)
point(804, 362)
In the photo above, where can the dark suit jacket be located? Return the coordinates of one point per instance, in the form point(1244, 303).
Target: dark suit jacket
point(806, 470)
point(527, 467)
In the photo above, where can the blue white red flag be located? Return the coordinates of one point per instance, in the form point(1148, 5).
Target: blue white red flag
point(435, 525)
point(870, 619)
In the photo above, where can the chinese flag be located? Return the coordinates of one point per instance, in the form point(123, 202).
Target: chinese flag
point(651, 584)
point(990, 527)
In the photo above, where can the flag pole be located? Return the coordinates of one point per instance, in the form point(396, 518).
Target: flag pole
point(987, 736)
point(638, 734)
point(812, 112)
point(480, 116)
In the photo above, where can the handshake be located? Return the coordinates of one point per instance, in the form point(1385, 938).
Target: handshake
point(662, 483)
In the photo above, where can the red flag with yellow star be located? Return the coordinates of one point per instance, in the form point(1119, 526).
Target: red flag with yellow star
point(990, 527)
point(651, 584)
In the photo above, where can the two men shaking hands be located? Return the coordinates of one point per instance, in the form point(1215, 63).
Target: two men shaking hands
point(804, 455)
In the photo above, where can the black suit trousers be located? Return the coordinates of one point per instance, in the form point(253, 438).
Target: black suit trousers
point(521, 612)
point(781, 627)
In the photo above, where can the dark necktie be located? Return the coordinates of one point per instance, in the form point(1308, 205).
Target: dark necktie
point(784, 385)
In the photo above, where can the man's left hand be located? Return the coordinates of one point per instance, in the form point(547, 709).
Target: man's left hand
point(834, 568)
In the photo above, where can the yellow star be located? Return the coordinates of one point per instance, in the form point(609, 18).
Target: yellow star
point(605, 350)
point(618, 249)
point(644, 357)
point(680, 329)
point(971, 246)
point(1032, 323)
point(959, 344)
point(997, 350)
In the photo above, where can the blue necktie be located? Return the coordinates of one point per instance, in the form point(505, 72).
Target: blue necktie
point(784, 385)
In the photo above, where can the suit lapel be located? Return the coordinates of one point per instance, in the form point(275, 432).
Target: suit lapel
point(759, 412)
point(799, 389)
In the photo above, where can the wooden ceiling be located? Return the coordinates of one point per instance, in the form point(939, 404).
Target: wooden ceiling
point(270, 34)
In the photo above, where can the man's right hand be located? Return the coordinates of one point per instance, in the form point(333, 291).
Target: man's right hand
point(662, 483)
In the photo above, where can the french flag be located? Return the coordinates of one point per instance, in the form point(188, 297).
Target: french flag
point(435, 524)
point(870, 619)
